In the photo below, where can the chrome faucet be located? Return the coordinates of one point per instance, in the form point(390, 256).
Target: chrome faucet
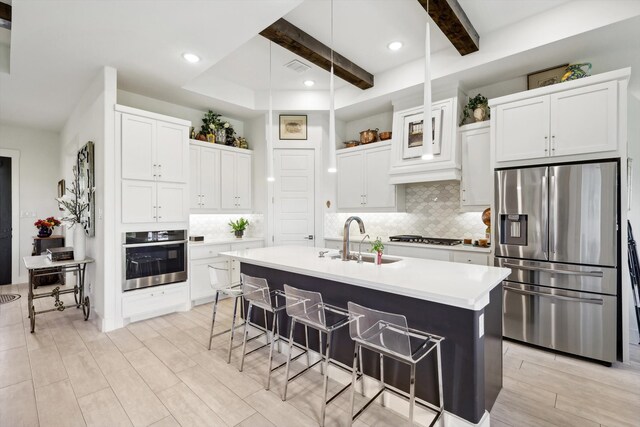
point(345, 239)
point(366, 236)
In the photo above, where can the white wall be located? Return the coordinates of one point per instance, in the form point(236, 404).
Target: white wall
point(181, 112)
point(634, 214)
point(382, 121)
point(93, 119)
point(39, 176)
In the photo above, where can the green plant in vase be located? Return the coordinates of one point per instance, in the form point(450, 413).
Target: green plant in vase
point(478, 106)
point(238, 227)
point(377, 247)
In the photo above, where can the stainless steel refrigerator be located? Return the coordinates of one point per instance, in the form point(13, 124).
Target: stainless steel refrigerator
point(557, 230)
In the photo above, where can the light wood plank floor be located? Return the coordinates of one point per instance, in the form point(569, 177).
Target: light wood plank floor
point(158, 372)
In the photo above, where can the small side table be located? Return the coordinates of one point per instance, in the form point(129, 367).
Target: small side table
point(39, 266)
point(40, 246)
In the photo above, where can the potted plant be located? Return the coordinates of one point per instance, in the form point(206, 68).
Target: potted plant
point(377, 247)
point(478, 106)
point(210, 124)
point(75, 203)
point(238, 227)
point(46, 226)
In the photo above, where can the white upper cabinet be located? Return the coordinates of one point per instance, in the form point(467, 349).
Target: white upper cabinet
point(138, 147)
point(154, 150)
point(363, 179)
point(171, 156)
point(138, 201)
point(235, 180)
point(172, 202)
point(204, 181)
point(584, 120)
point(572, 118)
point(475, 186)
point(522, 129)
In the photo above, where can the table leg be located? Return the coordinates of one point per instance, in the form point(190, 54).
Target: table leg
point(86, 303)
point(32, 312)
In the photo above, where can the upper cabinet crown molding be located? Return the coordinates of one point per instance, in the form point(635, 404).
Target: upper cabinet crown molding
point(151, 115)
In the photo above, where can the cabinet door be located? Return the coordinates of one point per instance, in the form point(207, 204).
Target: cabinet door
point(138, 201)
point(171, 152)
point(195, 200)
point(522, 129)
point(200, 280)
point(173, 201)
point(227, 180)
point(378, 192)
point(476, 168)
point(350, 180)
point(243, 180)
point(234, 271)
point(470, 258)
point(138, 148)
point(210, 178)
point(584, 120)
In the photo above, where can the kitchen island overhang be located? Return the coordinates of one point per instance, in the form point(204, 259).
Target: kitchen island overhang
point(461, 302)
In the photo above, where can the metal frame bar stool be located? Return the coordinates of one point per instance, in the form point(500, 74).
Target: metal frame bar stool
point(256, 292)
point(219, 277)
point(389, 335)
point(308, 309)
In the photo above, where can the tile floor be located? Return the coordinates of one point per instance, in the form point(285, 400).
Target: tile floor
point(159, 373)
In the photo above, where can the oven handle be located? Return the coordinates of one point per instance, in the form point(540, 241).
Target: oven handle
point(165, 243)
point(591, 273)
point(597, 301)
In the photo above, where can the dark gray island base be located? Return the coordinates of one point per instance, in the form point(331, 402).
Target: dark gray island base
point(471, 364)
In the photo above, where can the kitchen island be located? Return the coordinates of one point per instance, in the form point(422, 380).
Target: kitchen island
point(460, 302)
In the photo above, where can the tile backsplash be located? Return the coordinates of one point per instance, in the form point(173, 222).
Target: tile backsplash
point(216, 227)
point(432, 209)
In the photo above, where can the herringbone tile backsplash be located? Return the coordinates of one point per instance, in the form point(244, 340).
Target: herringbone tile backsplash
point(432, 209)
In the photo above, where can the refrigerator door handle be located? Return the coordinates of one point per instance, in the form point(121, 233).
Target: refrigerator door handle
point(591, 273)
point(597, 301)
point(553, 206)
point(545, 216)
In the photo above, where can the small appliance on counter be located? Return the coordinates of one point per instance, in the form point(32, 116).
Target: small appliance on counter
point(196, 238)
point(60, 254)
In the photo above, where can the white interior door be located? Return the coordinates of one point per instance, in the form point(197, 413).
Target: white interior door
point(294, 195)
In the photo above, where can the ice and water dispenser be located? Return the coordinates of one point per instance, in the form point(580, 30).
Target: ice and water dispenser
point(513, 229)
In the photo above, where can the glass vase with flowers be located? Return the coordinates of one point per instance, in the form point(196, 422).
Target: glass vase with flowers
point(45, 226)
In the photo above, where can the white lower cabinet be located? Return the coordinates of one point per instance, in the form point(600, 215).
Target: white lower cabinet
point(417, 252)
point(155, 301)
point(471, 257)
point(202, 256)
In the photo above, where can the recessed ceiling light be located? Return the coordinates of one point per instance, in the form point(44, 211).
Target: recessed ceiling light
point(191, 57)
point(309, 83)
point(394, 45)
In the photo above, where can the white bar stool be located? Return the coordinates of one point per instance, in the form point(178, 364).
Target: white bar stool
point(308, 309)
point(219, 279)
point(389, 335)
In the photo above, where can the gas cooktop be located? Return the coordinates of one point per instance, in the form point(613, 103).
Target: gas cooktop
point(410, 238)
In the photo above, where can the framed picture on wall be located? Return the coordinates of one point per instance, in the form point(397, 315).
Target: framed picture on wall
point(412, 133)
point(546, 77)
point(62, 189)
point(293, 127)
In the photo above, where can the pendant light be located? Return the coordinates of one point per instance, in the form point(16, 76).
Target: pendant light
point(270, 176)
point(427, 144)
point(332, 111)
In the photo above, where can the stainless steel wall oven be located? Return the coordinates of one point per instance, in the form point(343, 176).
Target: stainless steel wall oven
point(152, 258)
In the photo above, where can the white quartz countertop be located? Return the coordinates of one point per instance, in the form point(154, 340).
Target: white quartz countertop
point(464, 248)
point(460, 285)
point(227, 241)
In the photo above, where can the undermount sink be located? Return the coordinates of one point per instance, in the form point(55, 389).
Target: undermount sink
point(385, 260)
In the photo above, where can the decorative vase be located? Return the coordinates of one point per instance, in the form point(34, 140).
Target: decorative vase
point(211, 138)
point(79, 242)
point(44, 232)
point(379, 258)
point(221, 136)
point(239, 233)
point(480, 113)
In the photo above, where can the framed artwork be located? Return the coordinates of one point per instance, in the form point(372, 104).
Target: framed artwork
point(293, 127)
point(412, 133)
point(86, 186)
point(546, 77)
point(62, 189)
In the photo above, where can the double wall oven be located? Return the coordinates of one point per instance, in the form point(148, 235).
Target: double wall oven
point(152, 258)
point(557, 230)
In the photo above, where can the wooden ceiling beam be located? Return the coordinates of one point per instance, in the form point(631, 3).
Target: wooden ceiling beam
point(451, 19)
point(302, 44)
point(5, 16)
